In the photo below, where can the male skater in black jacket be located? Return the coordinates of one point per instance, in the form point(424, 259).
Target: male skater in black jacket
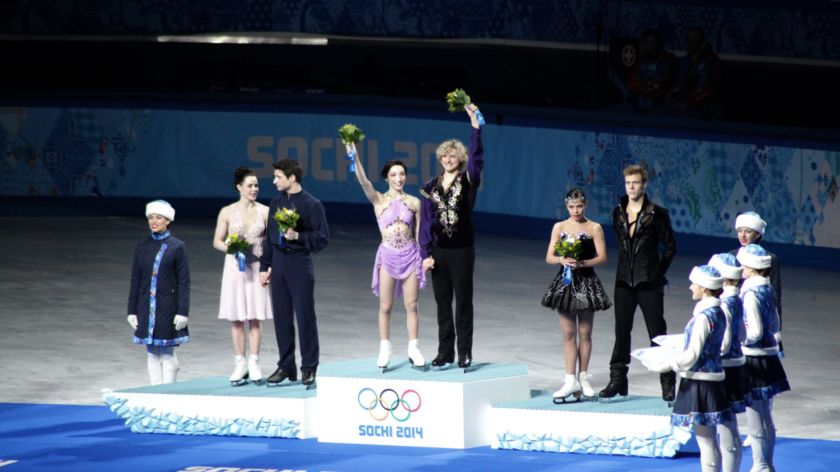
point(640, 226)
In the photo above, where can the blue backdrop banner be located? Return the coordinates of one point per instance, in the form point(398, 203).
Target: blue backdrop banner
point(704, 182)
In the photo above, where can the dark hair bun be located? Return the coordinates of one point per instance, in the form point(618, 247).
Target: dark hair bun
point(240, 174)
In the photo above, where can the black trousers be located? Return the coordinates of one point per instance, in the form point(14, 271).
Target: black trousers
point(648, 296)
point(293, 299)
point(453, 276)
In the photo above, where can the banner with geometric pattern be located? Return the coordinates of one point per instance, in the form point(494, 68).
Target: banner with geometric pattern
point(704, 183)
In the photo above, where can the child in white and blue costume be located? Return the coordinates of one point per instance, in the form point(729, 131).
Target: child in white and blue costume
point(766, 377)
point(702, 403)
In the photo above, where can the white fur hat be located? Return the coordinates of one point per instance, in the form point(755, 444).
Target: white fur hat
point(751, 220)
point(706, 276)
point(754, 257)
point(727, 265)
point(162, 208)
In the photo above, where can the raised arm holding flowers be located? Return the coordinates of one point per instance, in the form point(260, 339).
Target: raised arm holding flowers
point(351, 135)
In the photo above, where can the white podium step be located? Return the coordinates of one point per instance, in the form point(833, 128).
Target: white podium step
point(403, 406)
point(210, 406)
point(633, 426)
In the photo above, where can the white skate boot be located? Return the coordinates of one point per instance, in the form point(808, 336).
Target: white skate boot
point(240, 372)
point(586, 389)
point(570, 391)
point(254, 371)
point(384, 357)
point(415, 357)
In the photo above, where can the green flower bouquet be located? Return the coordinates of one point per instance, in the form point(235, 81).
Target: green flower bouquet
point(350, 134)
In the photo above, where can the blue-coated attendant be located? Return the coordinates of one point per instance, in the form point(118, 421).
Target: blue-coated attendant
point(765, 376)
point(701, 402)
point(732, 356)
point(159, 298)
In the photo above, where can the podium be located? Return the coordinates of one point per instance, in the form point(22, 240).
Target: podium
point(404, 406)
point(632, 426)
point(356, 403)
point(210, 406)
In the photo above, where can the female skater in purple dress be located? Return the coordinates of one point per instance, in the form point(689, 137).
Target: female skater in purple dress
point(398, 267)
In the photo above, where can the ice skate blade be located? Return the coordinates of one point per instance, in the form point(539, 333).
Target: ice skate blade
point(282, 384)
point(573, 398)
point(442, 367)
point(617, 398)
point(240, 382)
point(421, 368)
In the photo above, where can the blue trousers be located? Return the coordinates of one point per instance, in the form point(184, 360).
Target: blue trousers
point(293, 298)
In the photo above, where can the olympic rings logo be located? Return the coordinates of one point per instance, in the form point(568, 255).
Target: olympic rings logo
point(392, 403)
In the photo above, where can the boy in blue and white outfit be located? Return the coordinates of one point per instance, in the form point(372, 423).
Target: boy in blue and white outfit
point(765, 375)
point(701, 402)
point(732, 357)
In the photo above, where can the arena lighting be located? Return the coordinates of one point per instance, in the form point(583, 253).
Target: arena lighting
point(243, 39)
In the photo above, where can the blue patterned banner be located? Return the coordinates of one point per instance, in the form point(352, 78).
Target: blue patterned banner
point(168, 153)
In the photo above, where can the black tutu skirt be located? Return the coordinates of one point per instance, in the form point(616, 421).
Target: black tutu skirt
point(736, 388)
point(585, 293)
point(701, 402)
point(766, 377)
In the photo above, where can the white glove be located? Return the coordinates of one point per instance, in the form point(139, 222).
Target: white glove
point(778, 337)
point(180, 322)
point(132, 321)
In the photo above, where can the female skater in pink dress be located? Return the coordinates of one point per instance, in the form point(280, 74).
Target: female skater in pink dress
point(243, 298)
point(398, 267)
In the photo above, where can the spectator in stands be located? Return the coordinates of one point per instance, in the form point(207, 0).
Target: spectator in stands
point(697, 91)
point(652, 76)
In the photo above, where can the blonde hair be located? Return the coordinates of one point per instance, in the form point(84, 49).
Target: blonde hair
point(636, 169)
point(452, 145)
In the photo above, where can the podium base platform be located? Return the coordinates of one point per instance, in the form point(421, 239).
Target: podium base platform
point(211, 406)
point(406, 406)
point(633, 426)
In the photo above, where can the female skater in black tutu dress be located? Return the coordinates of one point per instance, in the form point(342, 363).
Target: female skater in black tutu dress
point(576, 292)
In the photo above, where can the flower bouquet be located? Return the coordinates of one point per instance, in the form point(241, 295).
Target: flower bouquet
point(237, 245)
point(350, 134)
point(286, 219)
point(458, 100)
point(569, 246)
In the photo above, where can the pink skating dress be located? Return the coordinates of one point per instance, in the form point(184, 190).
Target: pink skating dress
point(243, 297)
point(399, 253)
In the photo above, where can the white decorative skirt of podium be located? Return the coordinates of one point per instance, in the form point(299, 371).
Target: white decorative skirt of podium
point(633, 426)
point(210, 406)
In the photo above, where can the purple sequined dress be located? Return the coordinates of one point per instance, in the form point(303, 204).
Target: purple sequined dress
point(398, 253)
